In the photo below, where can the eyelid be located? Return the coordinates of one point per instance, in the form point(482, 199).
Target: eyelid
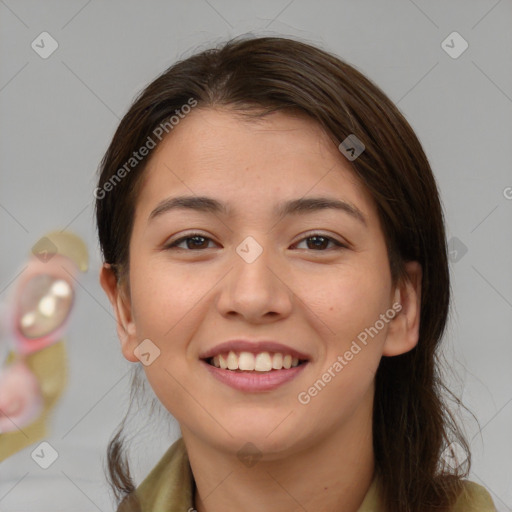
point(308, 234)
point(337, 243)
point(182, 238)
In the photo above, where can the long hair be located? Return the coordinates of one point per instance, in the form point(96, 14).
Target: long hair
point(255, 76)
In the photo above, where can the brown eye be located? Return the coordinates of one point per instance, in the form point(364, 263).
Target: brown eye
point(319, 242)
point(193, 242)
point(196, 242)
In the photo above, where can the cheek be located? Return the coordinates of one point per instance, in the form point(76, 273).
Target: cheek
point(349, 299)
point(351, 306)
point(162, 296)
point(166, 305)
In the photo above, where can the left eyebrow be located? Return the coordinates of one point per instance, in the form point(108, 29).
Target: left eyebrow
point(299, 206)
point(313, 204)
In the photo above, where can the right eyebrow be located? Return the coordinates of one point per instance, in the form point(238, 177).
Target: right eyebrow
point(198, 203)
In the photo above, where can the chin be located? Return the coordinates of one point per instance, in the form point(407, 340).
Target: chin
point(269, 435)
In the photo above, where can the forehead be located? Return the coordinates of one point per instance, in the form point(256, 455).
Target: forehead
point(249, 163)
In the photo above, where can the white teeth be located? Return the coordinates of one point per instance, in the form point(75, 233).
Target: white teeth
point(247, 361)
point(263, 362)
point(232, 361)
point(277, 361)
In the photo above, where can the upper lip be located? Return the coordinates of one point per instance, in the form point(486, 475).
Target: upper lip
point(254, 347)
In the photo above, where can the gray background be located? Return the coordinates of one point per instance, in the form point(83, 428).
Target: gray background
point(59, 114)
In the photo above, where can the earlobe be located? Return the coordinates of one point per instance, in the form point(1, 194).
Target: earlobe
point(126, 330)
point(403, 332)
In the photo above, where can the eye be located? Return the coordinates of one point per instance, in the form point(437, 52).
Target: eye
point(197, 241)
point(320, 241)
point(194, 241)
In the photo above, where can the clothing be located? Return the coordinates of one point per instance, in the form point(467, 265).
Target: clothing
point(170, 487)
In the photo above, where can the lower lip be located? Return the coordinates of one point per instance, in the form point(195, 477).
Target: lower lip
point(255, 381)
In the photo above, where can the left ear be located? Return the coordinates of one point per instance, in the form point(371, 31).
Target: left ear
point(404, 328)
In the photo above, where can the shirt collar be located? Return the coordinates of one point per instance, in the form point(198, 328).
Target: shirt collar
point(170, 485)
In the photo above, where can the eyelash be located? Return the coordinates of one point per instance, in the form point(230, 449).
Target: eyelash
point(173, 245)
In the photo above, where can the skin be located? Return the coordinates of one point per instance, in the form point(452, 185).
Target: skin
point(317, 456)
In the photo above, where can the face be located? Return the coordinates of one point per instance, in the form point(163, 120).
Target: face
point(312, 280)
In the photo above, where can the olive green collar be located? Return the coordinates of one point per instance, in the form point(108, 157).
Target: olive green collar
point(170, 486)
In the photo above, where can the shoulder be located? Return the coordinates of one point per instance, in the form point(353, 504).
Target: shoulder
point(167, 488)
point(474, 498)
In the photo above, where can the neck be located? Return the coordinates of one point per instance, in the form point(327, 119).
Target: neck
point(332, 473)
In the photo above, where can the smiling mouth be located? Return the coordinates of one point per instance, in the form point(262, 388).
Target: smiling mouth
point(261, 362)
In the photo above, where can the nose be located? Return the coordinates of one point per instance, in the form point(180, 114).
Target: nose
point(255, 288)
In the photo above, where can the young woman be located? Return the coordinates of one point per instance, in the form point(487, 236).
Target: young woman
point(275, 256)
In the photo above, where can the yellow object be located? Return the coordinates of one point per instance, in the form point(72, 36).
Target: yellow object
point(50, 368)
point(67, 244)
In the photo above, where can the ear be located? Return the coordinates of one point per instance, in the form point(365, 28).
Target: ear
point(121, 304)
point(404, 328)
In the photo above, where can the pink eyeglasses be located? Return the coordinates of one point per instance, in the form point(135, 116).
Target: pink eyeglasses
point(36, 316)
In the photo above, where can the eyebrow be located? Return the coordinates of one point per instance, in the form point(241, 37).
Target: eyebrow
point(300, 206)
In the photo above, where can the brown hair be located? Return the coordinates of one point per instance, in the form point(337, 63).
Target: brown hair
point(411, 422)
